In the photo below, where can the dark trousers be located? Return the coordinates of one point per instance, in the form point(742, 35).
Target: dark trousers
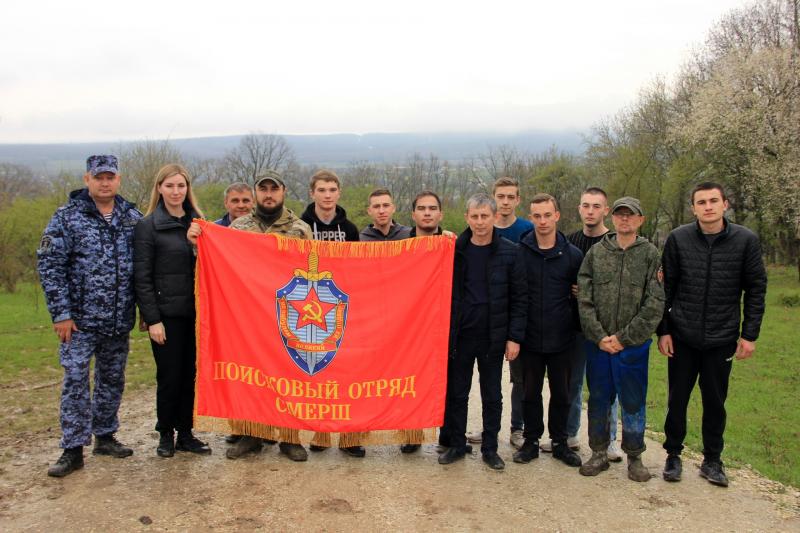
point(558, 369)
point(517, 416)
point(175, 373)
point(459, 382)
point(713, 366)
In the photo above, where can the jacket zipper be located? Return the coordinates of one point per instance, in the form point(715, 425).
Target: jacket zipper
point(705, 294)
point(619, 291)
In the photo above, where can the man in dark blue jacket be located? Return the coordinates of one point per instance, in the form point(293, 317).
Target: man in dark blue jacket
point(487, 321)
point(707, 266)
point(86, 268)
point(551, 264)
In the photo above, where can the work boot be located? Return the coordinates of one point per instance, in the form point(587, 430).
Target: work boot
point(295, 452)
point(71, 460)
point(409, 448)
point(244, 446)
point(672, 468)
point(714, 473)
point(494, 461)
point(187, 442)
point(636, 469)
point(563, 453)
point(527, 453)
point(354, 451)
point(232, 439)
point(109, 445)
point(166, 444)
point(596, 464)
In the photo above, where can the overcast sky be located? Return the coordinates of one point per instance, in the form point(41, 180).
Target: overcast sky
point(108, 71)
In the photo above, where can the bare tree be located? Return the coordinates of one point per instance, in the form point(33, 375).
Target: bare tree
point(140, 162)
point(18, 180)
point(256, 153)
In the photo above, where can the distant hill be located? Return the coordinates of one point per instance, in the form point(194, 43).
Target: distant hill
point(337, 150)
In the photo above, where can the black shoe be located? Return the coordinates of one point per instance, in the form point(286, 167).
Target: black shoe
point(409, 448)
point(295, 452)
point(494, 461)
point(714, 473)
point(528, 452)
point(563, 453)
point(354, 451)
point(232, 439)
point(673, 468)
point(71, 460)
point(189, 443)
point(109, 445)
point(451, 455)
point(318, 448)
point(245, 445)
point(166, 444)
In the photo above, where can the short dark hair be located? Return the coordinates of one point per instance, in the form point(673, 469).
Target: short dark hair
point(423, 194)
point(543, 197)
point(379, 192)
point(709, 186)
point(324, 175)
point(595, 190)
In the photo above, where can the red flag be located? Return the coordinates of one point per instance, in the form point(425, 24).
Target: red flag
point(323, 336)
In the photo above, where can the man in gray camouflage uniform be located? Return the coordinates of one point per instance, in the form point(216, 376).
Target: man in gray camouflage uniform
point(85, 262)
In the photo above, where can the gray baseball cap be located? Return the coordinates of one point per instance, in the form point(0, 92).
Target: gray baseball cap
point(270, 175)
point(630, 202)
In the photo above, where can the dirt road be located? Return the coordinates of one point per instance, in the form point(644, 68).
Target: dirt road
point(385, 491)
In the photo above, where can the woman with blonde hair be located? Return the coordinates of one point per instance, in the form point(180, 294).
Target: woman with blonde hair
point(164, 263)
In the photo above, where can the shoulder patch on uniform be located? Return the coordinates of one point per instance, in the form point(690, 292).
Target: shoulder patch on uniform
point(46, 244)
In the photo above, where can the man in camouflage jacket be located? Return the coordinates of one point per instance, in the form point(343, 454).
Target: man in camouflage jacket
point(268, 216)
point(621, 301)
point(85, 262)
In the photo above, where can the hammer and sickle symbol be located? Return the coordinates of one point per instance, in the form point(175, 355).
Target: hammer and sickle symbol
point(313, 311)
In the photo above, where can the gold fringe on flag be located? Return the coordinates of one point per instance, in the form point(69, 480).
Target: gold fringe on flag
point(344, 440)
point(365, 250)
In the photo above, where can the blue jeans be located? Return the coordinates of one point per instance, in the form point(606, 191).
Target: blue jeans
point(581, 347)
point(623, 374)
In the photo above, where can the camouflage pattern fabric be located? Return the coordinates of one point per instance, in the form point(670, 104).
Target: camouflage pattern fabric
point(619, 291)
point(86, 265)
point(102, 163)
point(288, 224)
point(83, 414)
point(86, 269)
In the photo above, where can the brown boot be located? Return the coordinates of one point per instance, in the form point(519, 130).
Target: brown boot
point(596, 464)
point(636, 470)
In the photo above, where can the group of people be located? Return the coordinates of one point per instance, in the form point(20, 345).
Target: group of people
point(555, 305)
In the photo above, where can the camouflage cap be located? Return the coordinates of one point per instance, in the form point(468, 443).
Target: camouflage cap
point(271, 175)
point(630, 202)
point(102, 163)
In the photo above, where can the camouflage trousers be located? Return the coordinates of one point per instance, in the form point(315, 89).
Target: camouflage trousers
point(84, 413)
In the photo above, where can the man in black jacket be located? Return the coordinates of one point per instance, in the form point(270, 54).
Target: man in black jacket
point(487, 320)
point(707, 265)
point(552, 265)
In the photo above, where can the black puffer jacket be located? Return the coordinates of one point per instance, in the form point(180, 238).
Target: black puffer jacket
point(163, 267)
point(508, 293)
point(704, 285)
point(552, 310)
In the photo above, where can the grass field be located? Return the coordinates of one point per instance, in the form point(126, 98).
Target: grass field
point(763, 418)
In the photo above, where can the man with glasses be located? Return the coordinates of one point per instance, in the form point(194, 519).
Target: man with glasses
point(621, 301)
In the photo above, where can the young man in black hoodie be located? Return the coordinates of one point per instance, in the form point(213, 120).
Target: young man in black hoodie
point(327, 219)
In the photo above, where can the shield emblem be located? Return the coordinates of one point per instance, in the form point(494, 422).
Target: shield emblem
point(312, 315)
